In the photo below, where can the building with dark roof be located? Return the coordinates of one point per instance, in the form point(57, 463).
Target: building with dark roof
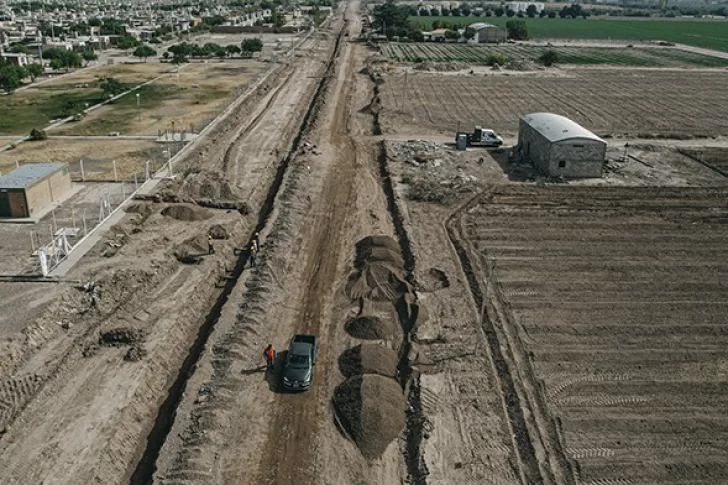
point(559, 147)
point(29, 188)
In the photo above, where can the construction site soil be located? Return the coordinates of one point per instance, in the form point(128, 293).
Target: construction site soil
point(519, 330)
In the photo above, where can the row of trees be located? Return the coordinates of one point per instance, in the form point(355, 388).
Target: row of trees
point(180, 52)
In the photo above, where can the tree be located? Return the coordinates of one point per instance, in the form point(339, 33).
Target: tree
point(89, 55)
point(11, 77)
point(549, 58)
point(542, 13)
point(19, 49)
point(165, 55)
point(445, 12)
point(434, 12)
point(34, 70)
point(127, 42)
point(510, 13)
point(179, 59)
point(455, 12)
point(37, 135)
point(499, 11)
point(531, 11)
point(111, 86)
point(469, 33)
point(452, 34)
point(424, 12)
point(144, 51)
point(520, 14)
point(221, 53)
point(488, 13)
point(249, 46)
point(95, 22)
point(552, 14)
point(465, 10)
point(517, 29)
point(390, 18)
point(232, 49)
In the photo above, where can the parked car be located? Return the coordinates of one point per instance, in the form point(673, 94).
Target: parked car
point(300, 362)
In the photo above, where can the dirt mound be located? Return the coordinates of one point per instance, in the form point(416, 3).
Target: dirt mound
point(434, 279)
point(371, 409)
point(440, 66)
point(142, 208)
point(118, 337)
point(368, 358)
point(523, 65)
point(380, 274)
point(369, 328)
point(377, 241)
point(218, 232)
point(192, 250)
point(185, 212)
point(207, 185)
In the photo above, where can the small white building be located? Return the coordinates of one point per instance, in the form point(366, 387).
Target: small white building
point(16, 58)
point(487, 33)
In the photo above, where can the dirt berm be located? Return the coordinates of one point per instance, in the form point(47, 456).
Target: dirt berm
point(368, 358)
point(371, 408)
point(370, 328)
point(380, 274)
point(186, 212)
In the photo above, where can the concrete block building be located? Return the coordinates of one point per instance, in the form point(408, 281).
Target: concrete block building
point(559, 146)
point(29, 188)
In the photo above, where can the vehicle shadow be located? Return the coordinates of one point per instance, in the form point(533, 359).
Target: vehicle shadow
point(275, 378)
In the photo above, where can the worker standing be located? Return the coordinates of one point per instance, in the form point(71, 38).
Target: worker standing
point(256, 240)
point(210, 248)
point(269, 354)
point(253, 255)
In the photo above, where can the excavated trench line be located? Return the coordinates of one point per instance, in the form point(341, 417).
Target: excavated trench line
point(144, 471)
point(525, 448)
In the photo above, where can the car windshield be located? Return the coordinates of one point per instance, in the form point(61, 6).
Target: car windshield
point(299, 361)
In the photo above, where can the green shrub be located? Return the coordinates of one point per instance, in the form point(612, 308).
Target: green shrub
point(496, 58)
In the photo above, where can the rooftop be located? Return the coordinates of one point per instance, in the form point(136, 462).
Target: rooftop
point(26, 175)
point(481, 25)
point(558, 128)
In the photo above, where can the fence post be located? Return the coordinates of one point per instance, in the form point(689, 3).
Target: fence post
point(114, 163)
point(136, 184)
point(83, 174)
point(83, 219)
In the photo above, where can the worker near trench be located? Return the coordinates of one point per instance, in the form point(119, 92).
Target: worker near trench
point(269, 354)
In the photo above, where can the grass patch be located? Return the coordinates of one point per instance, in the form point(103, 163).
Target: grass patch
point(711, 34)
point(23, 111)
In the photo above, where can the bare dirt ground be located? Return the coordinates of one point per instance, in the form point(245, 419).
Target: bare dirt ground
point(81, 385)
point(97, 154)
point(670, 104)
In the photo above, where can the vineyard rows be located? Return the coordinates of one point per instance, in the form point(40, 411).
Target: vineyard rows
point(645, 57)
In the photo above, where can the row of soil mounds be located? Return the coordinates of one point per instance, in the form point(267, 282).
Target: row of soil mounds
point(370, 404)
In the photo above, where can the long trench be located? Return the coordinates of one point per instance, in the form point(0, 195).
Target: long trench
point(147, 465)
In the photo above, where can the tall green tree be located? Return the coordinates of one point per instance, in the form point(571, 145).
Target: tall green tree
point(34, 70)
point(89, 55)
point(249, 46)
point(11, 77)
point(390, 18)
point(111, 86)
point(144, 51)
point(517, 29)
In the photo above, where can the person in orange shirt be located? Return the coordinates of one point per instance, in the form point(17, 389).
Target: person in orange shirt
point(269, 353)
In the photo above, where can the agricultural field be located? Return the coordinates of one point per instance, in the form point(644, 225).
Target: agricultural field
point(679, 104)
point(188, 99)
point(642, 57)
point(613, 301)
point(709, 34)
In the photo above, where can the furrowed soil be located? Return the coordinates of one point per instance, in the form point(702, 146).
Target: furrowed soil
point(667, 103)
point(612, 302)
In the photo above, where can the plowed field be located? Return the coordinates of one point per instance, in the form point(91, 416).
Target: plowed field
point(634, 102)
point(617, 301)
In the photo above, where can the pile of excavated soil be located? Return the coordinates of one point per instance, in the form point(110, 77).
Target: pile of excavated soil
point(207, 185)
point(523, 65)
point(371, 409)
point(368, 358)
point(192, 250)
point(218, 232)
point(142, 208)
point(186, 212)
point(121, 336)
point(370, 328)
point(440, 66)
point(380, 274)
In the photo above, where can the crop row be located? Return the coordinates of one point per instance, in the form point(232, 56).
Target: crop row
point(647, 57)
